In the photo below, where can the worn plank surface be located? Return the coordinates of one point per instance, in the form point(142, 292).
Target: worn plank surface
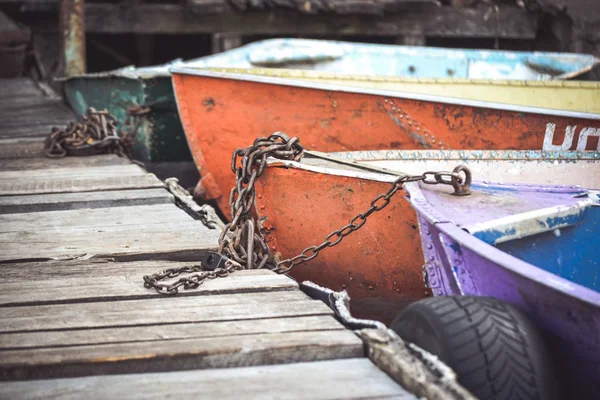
point(130, 286)
point(180, 354)
point(337, 379)
point(74, 175)
point(12, 149)
point(73, 201)
point(43, 163)
point(151, 311)
point(27, 110)
point(66, 338)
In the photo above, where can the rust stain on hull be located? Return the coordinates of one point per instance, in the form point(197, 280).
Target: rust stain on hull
point(379, 265)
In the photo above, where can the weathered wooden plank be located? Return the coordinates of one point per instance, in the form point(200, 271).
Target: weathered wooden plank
point(355, 378)
point(180, 354)
point(73, 201)
point(124, 217)
point(166, 310)
point(430, 21)
point(68, 172)
point(138, 232)
point(44, 163)
point(11, 149)
point(158, 241)
point(91, 269)
point(111, 288)
point(15, 187)
point(48, 339)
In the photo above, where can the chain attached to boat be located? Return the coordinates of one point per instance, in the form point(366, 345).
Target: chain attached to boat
point(95, 133)
point(242, 241)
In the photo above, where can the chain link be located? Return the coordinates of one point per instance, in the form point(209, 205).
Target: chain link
point(213, 266)
point(95, 133)
point(243, 239)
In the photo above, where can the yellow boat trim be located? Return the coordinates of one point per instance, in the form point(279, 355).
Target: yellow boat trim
point(581, 96)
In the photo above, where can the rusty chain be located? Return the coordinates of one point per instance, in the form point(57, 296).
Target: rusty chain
point(243, 242)
point(213, 266)
point(95, 133)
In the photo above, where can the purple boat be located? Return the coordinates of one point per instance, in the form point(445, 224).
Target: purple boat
point(535, 248)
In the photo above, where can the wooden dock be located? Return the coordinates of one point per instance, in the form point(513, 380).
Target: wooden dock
point(76, 237)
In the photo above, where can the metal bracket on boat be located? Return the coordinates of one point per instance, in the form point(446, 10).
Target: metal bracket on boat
point(462, 187)
point(204, 213)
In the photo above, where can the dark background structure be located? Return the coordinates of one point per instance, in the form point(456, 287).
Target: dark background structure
point(147, 32)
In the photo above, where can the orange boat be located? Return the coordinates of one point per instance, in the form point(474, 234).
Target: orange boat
point(222, 111)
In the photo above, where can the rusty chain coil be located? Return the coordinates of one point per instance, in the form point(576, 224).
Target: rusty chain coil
point(95, 133)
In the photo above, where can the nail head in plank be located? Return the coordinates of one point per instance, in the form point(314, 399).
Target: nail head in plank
point(355, 378)
point(180, 354)
point(73, 201)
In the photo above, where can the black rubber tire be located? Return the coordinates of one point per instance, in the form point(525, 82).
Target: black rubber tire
point(495, 351)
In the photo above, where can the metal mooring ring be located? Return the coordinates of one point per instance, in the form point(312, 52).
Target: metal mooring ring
point(461, 187)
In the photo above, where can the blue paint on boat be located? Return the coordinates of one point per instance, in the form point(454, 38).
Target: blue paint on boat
point(571, 252)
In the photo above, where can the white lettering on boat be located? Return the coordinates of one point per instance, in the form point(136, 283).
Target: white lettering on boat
point(568, 140)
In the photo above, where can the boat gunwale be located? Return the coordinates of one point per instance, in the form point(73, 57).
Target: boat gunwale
point(293, 73)
point(379, 174)
point(465, 155)
point(378, 92)
point(517, 266)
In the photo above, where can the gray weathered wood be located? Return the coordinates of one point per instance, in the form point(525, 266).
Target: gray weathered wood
point(25, 340)
point(28, 111)
point(355, 378)
point(160, 231)
point(164, 310)
point(79, 173)
point(125, 217)
point(91, 269)
point(17, 186)
point(11, 149)
point(429, 21)
point(131, 287)
point(166, 241)
point(44, 163)
point(73, 201)
point(180, 354)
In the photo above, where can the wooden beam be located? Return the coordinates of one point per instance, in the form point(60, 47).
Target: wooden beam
point(324, 380)
point(72, 26)
point(429, 20)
